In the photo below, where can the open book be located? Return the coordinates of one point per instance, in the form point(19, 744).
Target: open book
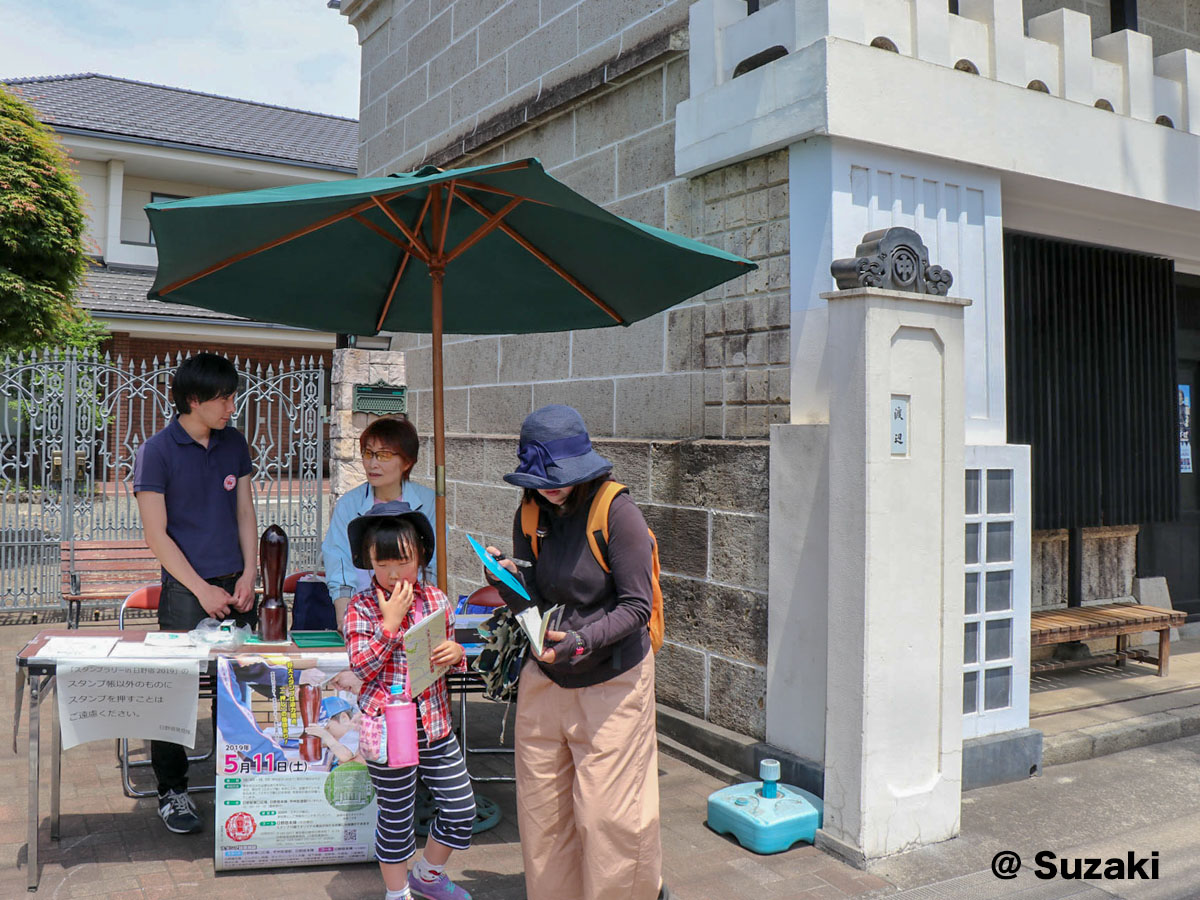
point(533, 623)
point(536, 624)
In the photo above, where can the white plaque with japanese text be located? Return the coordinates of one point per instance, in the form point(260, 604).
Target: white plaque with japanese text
point(134, 698)
point(899, 425)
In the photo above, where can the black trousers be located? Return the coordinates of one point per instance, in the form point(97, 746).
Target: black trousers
point(179, 610)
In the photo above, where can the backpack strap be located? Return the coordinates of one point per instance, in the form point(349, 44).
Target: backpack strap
point(597, 520)
point(529, 524)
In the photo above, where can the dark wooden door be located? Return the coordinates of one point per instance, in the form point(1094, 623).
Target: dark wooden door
point(1172, 549)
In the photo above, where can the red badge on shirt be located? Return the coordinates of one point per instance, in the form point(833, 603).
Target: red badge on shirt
point(230, 482)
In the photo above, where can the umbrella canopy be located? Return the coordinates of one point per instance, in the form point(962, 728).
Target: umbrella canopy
point(499, 249)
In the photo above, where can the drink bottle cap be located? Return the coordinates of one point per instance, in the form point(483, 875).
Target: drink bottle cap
point(397, 690)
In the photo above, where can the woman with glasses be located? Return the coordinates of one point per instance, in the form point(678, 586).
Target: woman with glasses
point(389, 452)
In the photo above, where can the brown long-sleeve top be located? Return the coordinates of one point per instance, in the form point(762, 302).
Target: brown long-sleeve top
point(610, 610)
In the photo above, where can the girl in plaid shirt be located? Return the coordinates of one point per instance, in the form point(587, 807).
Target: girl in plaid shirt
point(396, 543)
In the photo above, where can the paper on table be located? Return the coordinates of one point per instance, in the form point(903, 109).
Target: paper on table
point(138, 650)
point(419, 644)
point(168, 639)
point(153, 699)
point(76, 648)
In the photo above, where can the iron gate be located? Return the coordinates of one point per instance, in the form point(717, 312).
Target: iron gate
point(70, 428)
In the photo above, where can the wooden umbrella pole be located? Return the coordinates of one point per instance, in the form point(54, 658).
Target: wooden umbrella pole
point(437, 272)
point(439, 428)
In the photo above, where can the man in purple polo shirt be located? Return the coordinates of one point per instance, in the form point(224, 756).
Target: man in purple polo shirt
point(192, 482)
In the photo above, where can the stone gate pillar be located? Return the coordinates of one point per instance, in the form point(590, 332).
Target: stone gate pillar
point(352, 366)
point(893, 728)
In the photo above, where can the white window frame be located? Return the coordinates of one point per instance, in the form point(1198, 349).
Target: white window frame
point(1014, 458)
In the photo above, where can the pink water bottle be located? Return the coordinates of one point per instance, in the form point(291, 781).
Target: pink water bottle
point(401, 717)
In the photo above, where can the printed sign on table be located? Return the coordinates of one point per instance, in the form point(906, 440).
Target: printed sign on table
point(292, 788)
point(105, 699)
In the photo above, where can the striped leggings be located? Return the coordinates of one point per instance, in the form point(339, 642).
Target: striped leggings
point(444, 772)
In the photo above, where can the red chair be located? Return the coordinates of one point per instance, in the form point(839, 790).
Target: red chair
point(488, 596)
point(147, 597)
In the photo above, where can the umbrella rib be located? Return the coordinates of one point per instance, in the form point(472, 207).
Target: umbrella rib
point(407, 248)
point(441, 239)
point(487, 188)
point(483, 230)
point(547, 261)
point(387, 304)
point(392, 293)
point(395, 219)
point(300, 232)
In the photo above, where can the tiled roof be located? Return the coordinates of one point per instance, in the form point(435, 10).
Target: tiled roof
point(123, 291)
point(123, 108)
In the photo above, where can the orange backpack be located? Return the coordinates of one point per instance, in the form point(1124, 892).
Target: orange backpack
point(597, 536)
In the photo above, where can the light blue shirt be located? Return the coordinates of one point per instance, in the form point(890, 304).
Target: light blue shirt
point(341, 575)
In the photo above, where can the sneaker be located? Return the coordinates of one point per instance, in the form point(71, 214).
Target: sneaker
point(664, 892)
point(441, 889)
point(178, 812)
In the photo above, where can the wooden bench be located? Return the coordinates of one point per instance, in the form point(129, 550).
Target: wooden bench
point(102, 572)
point(1119, 620)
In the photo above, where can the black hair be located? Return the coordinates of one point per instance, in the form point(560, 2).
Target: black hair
point(395, 539)
point(581, 496)
point(202, 377)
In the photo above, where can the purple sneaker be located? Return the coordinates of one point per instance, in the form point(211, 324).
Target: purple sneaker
point(442, 889)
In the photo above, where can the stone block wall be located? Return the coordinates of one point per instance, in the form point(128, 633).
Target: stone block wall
point(439, 73)
point(351, 367)
point(1172, 24)
point(743, 208)
point(706, 502)
point(603, 121)
point(715, 366)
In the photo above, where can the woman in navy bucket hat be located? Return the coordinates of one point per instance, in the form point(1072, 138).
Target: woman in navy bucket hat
point(555, 451)
point(586, 747)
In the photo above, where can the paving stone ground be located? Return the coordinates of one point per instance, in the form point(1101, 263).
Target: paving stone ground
point(116, 848)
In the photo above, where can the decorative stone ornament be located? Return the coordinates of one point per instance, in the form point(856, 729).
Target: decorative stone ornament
point(892, 259)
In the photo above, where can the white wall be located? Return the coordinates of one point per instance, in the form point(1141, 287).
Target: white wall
point(840, 190)
point(135, 226)
point(93, 177)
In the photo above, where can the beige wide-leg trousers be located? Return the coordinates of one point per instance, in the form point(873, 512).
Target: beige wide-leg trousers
point(587, 787)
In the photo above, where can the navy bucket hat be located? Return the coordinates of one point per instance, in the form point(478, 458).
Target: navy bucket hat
point(392, 509)
point(555, 451)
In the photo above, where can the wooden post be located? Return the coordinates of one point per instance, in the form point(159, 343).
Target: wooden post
point(437, 272)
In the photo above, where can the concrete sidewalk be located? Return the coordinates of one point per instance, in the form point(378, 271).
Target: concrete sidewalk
point(116, 848)
point(1094, 711)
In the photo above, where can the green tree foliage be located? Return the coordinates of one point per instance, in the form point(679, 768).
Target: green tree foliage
point(42, 256)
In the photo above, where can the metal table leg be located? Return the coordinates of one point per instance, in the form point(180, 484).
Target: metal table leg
point(17, 701)
point(467, 749)
point(55, 772)
point(34, 748)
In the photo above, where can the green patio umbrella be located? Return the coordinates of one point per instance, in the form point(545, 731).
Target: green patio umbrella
point(500, 249)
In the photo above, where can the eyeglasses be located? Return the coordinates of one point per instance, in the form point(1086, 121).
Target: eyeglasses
point(381, 455)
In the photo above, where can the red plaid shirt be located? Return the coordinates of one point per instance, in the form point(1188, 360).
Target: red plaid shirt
point(377, 656)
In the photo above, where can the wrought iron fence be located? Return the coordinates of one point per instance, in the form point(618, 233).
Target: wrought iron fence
point(70, 429)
